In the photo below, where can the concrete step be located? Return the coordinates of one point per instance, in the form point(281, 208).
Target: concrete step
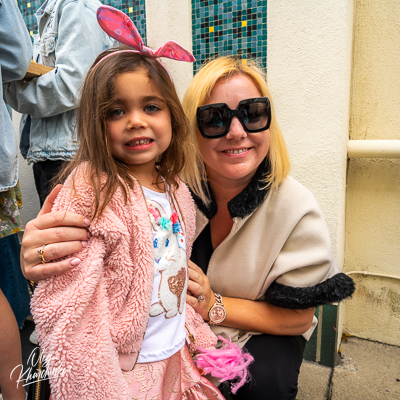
point(365, 371)
point(314, 381)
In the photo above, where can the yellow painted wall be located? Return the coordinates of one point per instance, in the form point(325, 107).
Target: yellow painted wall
point(373, 185)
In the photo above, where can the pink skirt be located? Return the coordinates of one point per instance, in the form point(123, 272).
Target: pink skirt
point(172, 379)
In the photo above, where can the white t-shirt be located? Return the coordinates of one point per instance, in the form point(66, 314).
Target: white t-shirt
point(165, 333)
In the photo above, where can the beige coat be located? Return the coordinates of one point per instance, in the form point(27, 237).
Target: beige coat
point(280, 252)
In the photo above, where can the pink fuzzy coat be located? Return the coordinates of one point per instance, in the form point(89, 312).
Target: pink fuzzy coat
point(91, 320)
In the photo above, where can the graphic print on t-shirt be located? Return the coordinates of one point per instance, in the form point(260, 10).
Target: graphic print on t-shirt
point(170, 261)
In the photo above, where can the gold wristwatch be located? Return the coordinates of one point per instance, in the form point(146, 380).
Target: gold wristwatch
point(217, 312)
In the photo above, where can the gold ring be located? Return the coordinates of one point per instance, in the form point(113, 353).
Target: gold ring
point(41, 254)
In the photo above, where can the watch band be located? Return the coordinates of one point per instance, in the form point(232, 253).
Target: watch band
point(217, 312)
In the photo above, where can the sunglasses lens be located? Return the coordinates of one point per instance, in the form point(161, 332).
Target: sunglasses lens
point(255, 115)
point(213, 121)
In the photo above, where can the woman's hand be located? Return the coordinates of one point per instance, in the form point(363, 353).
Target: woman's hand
point(199, 285)
point(258, 316)
point(63, 233)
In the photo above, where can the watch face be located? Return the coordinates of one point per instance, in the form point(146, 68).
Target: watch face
point(217, 314)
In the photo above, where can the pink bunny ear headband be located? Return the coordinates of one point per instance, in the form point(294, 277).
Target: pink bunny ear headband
point(120, 27)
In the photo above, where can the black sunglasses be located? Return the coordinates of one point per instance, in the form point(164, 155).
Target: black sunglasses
point(214, 120)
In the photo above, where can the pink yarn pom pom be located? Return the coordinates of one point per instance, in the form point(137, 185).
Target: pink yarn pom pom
point(174, 217)
point(227, 363)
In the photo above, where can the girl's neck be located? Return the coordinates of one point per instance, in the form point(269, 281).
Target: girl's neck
point(153, 183)
point(149, 179)
point(160, 187)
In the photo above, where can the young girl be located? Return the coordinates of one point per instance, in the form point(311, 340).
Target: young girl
point(114, 327)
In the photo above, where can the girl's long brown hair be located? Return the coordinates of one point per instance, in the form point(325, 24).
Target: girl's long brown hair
point(98, 95)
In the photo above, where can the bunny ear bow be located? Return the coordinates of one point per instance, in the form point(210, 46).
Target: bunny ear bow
point(120, 27)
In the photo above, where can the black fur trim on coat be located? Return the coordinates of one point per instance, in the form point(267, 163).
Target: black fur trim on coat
point(332, 290)
point(246, 201)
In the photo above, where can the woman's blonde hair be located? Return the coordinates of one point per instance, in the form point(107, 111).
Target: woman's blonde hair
point(197, 94)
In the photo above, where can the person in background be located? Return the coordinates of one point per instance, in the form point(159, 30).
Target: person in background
point(10, 354)
point(69, 40)
point(15, 56)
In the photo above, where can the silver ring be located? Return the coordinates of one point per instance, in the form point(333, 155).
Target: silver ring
point(200, 298)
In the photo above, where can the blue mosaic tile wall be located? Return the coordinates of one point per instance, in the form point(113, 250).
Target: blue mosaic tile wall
point(135, 9)
point(236, 27)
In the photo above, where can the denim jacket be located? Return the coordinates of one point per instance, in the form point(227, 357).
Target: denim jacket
point(15, 56)
point(69, 40)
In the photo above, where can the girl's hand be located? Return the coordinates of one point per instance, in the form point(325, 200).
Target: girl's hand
point(199, 285)
point(63, 233)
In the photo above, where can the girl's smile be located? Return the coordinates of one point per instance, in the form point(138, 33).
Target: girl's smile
point(139, 123)
point(139, 144)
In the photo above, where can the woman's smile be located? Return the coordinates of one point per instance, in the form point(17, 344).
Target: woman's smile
point(237, 152)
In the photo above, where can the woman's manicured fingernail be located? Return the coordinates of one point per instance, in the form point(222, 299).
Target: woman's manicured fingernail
point(89, 235)
point(75, 262)
point(86, 221)
point(84, 243)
